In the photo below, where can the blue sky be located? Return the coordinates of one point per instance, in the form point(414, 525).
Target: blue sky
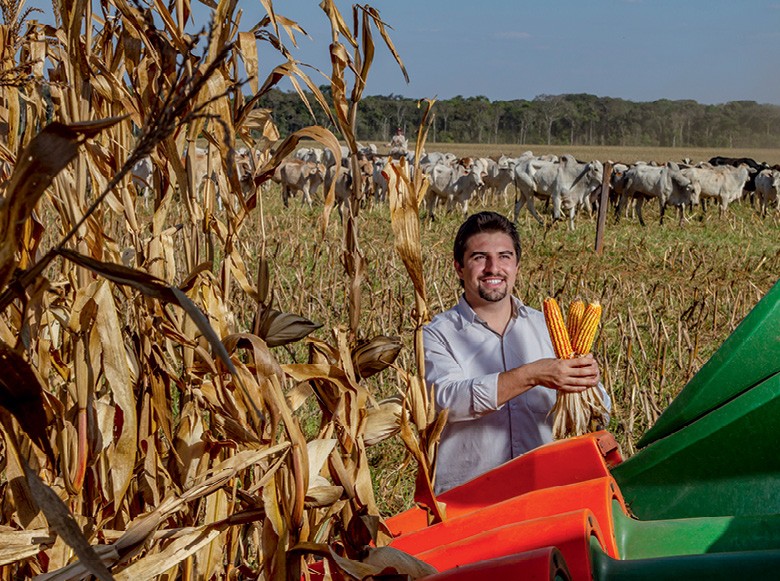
point(711, 51)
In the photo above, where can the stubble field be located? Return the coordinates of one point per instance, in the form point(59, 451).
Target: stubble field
point(671, 295)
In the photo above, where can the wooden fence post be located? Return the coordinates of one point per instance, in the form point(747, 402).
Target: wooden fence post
point(603, 202)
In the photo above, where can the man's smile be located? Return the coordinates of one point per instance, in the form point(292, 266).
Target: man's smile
point(493, 281)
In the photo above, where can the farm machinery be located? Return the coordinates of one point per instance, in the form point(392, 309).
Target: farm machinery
point(699, 500)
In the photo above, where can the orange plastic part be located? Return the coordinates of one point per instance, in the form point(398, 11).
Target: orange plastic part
point(570, 532)
point(556, 464)
point(597, 495)
point(545, 564)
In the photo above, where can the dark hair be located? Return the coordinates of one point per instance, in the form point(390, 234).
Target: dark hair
point(484, 222)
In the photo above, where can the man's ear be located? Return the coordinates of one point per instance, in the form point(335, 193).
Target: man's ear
point(458, 269)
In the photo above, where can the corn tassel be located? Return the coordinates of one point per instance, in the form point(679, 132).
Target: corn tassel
point(557, 329)
point(574, 318)
point(582, 340)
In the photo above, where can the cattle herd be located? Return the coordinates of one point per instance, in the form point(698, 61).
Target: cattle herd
point(564, 184)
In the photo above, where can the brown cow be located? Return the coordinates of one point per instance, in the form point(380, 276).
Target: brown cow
point(296, 175)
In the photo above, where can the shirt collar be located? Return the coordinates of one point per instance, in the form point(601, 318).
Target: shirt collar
point(469, 317)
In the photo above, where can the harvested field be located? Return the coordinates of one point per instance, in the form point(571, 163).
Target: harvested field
point(671, 295)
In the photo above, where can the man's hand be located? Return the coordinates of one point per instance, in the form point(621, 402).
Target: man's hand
point(571, 375)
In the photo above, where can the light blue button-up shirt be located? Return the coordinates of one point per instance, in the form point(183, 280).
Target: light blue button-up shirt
point(463, 358)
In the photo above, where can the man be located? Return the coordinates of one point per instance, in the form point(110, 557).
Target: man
point(398, 144)
point(491, 362)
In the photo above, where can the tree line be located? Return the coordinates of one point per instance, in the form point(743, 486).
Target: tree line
point(570, 119)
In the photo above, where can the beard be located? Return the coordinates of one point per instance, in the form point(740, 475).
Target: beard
point(493, 295)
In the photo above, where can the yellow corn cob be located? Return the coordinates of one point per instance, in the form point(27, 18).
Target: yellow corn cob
point(582, 341)
point(558, 333)
point(574, 317)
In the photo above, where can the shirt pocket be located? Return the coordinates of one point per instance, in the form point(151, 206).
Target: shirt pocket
point(540, 400)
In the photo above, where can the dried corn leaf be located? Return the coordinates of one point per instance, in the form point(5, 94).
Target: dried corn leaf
point(405, 220)
point(364, 487)
point(210, 558)
point(382, 561)
point(298, 395)
point(374, 14)
point(277, 328)
point(61, 520)
point(273, 508)
point(155, 288)
point(42, 159)
point(287, 147)
point(323, 496)
point(141, 530)
point(372, 356)
point(117, 373)
point(383, 421)
point(319, 451)
point(424, 480)
point(27, 512)
point(21, 393)
point(191, 450)
point(390, 559)
point(247, 46)
point(186, 543)
point(19, 545)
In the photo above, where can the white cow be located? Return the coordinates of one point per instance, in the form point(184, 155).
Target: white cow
point(668, 184)
point(142, 174)
point(768, 189)
point(533, 177)
point(723, 183)
point(378, 179)
point(428, 160)
point(498, 176)
point(567, 183)
point(329, 159)
point(343, 188)
point(576, 181)
point(451, 185)
point(312, 154)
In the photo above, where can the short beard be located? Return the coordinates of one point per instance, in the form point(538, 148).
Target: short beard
point(492, 296)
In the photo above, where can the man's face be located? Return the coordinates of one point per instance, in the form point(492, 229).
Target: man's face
point(489, 268)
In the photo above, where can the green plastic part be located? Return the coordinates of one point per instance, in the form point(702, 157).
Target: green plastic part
point(640, 539)
point(705, 567)
point(748, 356)
point(726, 463)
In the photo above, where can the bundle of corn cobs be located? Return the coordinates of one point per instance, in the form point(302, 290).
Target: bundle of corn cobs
point(575, 413)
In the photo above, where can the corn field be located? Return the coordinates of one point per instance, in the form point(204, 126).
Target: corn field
point(197, 383)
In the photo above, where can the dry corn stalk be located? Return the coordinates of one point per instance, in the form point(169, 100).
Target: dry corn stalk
point(574, 413)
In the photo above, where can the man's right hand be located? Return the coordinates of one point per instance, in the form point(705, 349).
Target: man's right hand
point(567, 375)
point(570, 375)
